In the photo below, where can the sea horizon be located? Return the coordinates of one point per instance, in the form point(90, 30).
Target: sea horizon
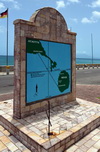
point(78, 60)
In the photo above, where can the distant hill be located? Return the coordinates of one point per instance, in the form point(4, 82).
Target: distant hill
point(82, 55)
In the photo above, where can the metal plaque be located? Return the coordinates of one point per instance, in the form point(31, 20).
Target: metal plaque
point(48, 69)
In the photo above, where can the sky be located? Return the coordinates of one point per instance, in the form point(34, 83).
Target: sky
point(82, 17)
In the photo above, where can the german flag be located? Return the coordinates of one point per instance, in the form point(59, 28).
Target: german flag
point(4, 14)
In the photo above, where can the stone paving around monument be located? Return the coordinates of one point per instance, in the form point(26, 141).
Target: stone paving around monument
point(63, 117)
point(67, 122)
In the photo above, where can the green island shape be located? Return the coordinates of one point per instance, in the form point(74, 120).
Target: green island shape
point(63, 81)
point(35, 47)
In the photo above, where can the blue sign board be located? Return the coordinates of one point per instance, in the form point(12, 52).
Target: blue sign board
point(48, 69)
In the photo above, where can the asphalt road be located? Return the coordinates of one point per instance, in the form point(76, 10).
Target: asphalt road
point(6, 84)
point(86, 76)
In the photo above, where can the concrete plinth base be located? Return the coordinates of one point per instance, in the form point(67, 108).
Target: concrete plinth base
point(70, 123)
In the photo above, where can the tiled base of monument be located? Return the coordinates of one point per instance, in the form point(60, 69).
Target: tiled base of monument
point(70, 123)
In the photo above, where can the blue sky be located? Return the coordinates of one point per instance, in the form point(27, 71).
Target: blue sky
point(82, 17)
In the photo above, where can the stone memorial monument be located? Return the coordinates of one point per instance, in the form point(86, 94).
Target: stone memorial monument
point(45, 115)
point(45, 53)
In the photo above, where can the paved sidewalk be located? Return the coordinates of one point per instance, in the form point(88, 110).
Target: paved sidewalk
point(8, 143)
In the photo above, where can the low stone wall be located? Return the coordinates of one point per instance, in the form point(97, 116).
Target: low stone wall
point(3, 68)
point(87, 66)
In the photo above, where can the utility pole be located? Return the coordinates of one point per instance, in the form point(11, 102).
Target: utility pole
point(92, 47)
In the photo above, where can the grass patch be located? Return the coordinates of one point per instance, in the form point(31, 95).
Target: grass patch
point(98, 97)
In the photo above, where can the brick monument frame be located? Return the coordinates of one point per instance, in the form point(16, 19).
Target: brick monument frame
point(49, 25)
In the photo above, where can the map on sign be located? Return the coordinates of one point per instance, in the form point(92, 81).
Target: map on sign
point(48, 71)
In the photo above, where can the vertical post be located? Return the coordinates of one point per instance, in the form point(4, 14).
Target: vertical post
point(92, 47)
point(49, 118)
point(70, 29)
point(49, 122)
point(7, 68)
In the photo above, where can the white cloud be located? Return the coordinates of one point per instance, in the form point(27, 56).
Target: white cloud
point(74, 1)
point(96, 14)
point(60, 4)
point(86, 20)
point(16, 5)
point(95, 3)
point(93, 19)
point(1, 6)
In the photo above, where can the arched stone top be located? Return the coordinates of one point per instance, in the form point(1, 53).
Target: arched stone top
point(48, 13)
point(51, 22)
point(47, 24)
